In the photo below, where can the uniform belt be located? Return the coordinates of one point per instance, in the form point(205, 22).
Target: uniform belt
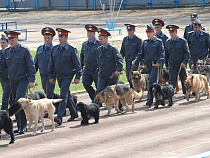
point(91, 69)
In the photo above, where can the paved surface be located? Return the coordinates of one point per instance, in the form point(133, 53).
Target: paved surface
point(179, 131)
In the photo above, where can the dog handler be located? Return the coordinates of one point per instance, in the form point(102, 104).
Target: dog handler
point(176, 57)
point(21, 73)
point(152, 53)
point(64, 64)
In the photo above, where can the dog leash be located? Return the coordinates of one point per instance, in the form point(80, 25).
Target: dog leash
point(158, 69)
point(29, 89)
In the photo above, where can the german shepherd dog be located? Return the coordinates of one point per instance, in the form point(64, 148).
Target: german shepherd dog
point(140, 82)
point(115, 93)
point(196, 83)
point(203, 68)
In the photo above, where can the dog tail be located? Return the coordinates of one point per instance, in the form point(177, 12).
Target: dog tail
point(205, 82)
point(15, 108)
point(136, 94)
point(56, 100)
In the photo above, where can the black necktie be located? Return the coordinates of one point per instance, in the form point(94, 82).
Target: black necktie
point(13, 49)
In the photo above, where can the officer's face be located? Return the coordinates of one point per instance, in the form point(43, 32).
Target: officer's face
point(103, 40)
point(173, 34)
point(192, 20)
point(90, 35)
point(131, 33)
point(158, 28)
point(4, 44)
point(63, 39)
point(48, 39)
point(197, 28)
point(150, 34)
point(13, 42)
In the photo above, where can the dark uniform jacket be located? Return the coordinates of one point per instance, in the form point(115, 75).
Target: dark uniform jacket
point(20, 64)
point(152, 51)
point(199, 46)
point(88, 56)
point(64, 63)
point(42, 59)
point(188, 29)
point(130, 48)
point(163, 37)
point(109, 61)
point(177, 51)
point(3, 66)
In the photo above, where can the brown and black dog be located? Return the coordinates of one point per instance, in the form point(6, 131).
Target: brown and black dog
point(115, 93)
point(196, 83)
point(140, 82)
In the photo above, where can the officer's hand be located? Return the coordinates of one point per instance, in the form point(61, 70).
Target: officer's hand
point(117, 73)
point(141, 67)
point(76, 81)
point(52, 81)
point(208, 59)
point(183, 65)
point(31, 84)
point(158, 65)
point(133, 63)
point(166, 68)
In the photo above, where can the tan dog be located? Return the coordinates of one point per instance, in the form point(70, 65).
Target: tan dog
point(140, 82)
point(112, 94)
point(35, 109)
point(196, 83)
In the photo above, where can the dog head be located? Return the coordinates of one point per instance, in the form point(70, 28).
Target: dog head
point(188, 82)
point(25, 102)
point(80, 106)
point(135, 75)
point(155, 88)
point(200, 65)
point(104, 95)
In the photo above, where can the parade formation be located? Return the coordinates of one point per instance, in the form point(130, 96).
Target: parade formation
point(154, 65)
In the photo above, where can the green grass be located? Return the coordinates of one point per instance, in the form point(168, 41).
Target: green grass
point(73, 87)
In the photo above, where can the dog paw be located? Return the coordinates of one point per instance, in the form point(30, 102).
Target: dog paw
point(156, 107)
point(42, 130)
point(33, 134)
point(95, 122)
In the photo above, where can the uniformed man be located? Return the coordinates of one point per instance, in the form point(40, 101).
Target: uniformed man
point(152, 56)
point(199, 43)
point(158, 23)
point(110, 62)
point(4, 74)
point(42, 58)
point(21, 73)
point(88, 59)
point(64, 64)
point(176, 57)
point(130, 48)
point(189, 27)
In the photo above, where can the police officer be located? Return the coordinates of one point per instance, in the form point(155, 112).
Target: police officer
point(88, 59)
point(189, 27)
point(64, 63)
point(110, 62)
point(42, 58)
point(21, 73)
point(4, 74)
point(158, 23)
point(152, 56)
point(130, 48)
point(199, 43)
point(176, 57)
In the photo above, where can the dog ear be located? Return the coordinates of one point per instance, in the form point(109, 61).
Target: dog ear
point(29, 100)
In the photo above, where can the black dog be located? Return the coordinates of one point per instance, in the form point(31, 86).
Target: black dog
point(162, 92)
point(37, 95)
point(87, 111)
point(6, 122)
point(57, 96)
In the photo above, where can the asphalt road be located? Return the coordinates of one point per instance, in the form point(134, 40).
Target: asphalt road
point(179, 131)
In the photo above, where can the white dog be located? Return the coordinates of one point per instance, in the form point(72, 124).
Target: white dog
point(35, 109)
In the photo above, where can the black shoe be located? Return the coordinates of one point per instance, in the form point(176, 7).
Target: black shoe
point(193, 93)
point(149, 104)
point(71, 118)
point(45, 115)
point(59, 122)
point(16, 131)
point(22, 131)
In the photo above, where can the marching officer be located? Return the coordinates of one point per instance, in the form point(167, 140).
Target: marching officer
point(110, 62)
point(152, 56)
point(130, 48)
point(64, 64)
point(176, 57)
point(21, 73)
point(158, 23)
point(42, 58)
point(199, 43)
point(88, 59)
point(4, 74)
point(189, 27)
